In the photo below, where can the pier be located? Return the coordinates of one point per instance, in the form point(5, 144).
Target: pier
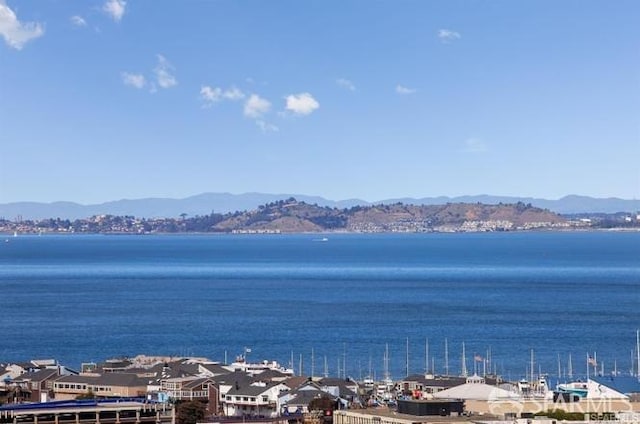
point(112, 411)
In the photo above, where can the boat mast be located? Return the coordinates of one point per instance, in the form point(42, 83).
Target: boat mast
point(407, 356)
point(426, 355)
point(464, 362)
point(344, 361)
point(326, 367)
point(638, 354)
point(446, 357)
point(532, 370)
point(386, 363)
point(487, 362)
point(570, 368)
point(300, 366)
point(313, 364)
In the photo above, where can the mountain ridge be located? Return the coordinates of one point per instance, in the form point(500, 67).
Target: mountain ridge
point(206, 203)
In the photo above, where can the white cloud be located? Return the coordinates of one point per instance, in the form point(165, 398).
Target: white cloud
point(233, 93)
point(134, 80)
point(256, 106)
point(266, 127)
point(302, 104)
point(115, 9)
point(78, 21)
point(447, 35)
point(212, 95)
point(16, 33)
point(345, 83)
point(474, 145)
point(400, 89)
point(163, 73)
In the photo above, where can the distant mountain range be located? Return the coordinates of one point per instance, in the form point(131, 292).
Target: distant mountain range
point(204, 204)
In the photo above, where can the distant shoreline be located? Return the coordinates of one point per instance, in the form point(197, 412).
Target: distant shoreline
point(10, 235)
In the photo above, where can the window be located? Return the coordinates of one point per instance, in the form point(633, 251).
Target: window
point(265, 398)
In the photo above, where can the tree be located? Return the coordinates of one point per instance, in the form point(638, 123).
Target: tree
point(190, 412)
point(88, 395)
point(323, 404)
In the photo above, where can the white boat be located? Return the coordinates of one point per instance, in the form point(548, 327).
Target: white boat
point(579, 388)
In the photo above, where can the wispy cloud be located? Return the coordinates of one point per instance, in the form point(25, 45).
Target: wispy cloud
point(256, 106)
point(266, 127)
point(162, 77)
point(134, 80)
point(474, 145)
point(301, 104)
point(345, 83)
point(401, 89)
point(163, 73)
point(233, 93)
point(447, 35)
point(15, 33)
point(212, 95)
point(78, 21)
point(115, 9)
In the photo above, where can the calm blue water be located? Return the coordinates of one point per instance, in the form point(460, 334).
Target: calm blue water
point(83, 298)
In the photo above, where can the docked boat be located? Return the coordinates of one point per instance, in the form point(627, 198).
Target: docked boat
point(577, 388)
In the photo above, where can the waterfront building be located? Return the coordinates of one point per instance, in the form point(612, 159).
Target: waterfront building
point(105, 385)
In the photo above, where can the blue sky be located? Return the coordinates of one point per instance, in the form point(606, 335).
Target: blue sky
point(108, 99)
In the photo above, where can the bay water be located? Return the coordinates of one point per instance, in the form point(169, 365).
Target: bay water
point(81, 298)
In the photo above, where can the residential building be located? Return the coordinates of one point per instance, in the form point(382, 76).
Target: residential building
point(258, 399)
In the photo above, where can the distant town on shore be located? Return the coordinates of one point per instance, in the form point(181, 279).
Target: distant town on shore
point(293, 216)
